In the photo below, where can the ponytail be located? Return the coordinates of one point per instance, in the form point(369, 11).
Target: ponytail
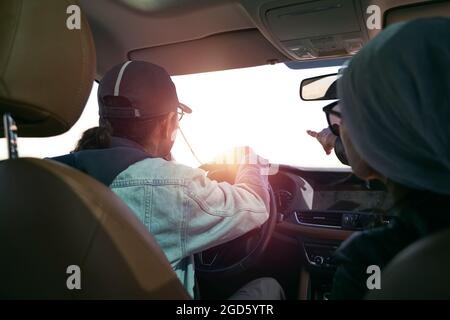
point(100, 137)
point(95, 138)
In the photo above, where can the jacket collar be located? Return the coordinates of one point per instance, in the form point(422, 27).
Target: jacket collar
point(123, 142)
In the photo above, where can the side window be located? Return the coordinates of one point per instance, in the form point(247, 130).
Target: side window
point(62, 144)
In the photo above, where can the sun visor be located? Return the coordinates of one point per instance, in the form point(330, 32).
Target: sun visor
point(420, 10)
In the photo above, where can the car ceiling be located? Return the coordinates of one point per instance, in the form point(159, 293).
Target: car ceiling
point(192, 36)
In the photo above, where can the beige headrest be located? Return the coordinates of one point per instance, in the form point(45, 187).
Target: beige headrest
point(46, 69)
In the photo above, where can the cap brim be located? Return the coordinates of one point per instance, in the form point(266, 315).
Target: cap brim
point(185, 108)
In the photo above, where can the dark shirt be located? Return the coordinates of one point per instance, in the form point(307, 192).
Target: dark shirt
point(105, 164)
point(374, 247)
point(379, 246)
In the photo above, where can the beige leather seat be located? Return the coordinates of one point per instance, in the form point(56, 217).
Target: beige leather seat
point(421, 271)
point(51, 216)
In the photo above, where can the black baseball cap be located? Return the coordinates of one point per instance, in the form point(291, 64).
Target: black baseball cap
point(137, 90)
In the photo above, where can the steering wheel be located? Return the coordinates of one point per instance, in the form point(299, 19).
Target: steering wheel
point(240, 254)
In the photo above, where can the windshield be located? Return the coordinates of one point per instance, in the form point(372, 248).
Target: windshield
point(258, 107)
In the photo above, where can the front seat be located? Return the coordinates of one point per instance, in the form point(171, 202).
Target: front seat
point(421, 271)
point(62, 234)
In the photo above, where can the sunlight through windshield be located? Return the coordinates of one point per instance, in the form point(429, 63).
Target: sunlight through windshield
point(258, 107)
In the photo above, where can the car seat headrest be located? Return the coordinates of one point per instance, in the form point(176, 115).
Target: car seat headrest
point(46, 68)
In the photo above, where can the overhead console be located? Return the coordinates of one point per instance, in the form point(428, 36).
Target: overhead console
point(307, 30)
point(315, 29)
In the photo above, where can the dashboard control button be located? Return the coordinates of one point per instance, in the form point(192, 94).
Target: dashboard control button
point(318, 260)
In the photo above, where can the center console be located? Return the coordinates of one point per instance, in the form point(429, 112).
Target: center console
point(318, 253)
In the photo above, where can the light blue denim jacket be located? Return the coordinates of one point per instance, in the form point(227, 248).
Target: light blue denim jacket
point(187, 212)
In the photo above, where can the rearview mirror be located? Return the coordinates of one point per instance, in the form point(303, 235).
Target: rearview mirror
point(319, 88)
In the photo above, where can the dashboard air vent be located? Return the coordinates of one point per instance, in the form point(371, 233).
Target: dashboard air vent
point(332, 219)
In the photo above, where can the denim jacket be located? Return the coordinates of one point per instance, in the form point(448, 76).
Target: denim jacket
point(185, 211)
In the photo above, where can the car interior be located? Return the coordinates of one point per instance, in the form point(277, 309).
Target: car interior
point(53, 216)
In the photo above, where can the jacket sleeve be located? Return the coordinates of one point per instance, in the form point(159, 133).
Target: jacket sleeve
point(218, 212)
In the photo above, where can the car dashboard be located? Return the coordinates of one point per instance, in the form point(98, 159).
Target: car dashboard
point(319, 210)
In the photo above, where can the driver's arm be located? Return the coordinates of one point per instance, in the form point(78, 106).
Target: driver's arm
point(219, 211)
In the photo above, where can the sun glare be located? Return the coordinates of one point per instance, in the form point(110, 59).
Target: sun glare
point(258, 107)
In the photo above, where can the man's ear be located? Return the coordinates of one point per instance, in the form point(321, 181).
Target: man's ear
point(168, 125)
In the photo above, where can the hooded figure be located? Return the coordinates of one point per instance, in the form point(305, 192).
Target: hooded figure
point(395, 102)
point(395, 99)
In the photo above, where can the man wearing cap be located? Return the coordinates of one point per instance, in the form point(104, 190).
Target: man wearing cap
point(184, 210)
